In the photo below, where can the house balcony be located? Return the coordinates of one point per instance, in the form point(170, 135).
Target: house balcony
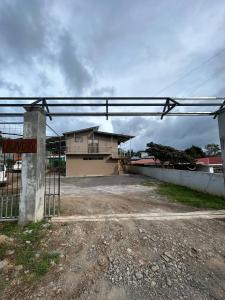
point(74, 149)
point(96, 150)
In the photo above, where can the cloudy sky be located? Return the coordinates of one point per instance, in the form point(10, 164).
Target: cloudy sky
point(117, 48)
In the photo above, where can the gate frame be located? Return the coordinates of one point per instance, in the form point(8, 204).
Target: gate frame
point(35, 211)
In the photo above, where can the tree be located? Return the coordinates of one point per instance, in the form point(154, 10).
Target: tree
point(195, 152)
point(212, 149)
point(168, 154)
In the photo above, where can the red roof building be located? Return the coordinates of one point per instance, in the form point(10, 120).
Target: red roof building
point(211, 160)
point(145, 161)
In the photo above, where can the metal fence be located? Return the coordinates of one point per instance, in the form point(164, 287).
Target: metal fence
point(54, 168)
point(10, 173)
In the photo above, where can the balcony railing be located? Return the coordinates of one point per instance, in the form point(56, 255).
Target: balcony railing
point(74, 149)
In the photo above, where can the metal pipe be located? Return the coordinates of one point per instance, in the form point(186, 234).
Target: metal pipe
point(113, 98)
point(109, 104)
point(112, 114)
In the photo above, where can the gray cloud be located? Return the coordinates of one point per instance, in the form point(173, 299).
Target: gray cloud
point(23, 29)
point(76, 74)
point(180, 132)
point(116, 48)
point(103, 91)
point(11, 87)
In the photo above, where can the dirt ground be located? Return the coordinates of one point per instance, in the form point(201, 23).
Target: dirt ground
point(114, 194)
point(131, 259)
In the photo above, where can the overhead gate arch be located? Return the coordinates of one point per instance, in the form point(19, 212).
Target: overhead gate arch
point(170, 106)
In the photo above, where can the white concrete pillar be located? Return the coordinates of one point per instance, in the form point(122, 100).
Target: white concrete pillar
point(31, 208)
point(221, 123)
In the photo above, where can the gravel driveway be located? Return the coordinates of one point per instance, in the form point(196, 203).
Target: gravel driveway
point(114, 194)
point(131, 259)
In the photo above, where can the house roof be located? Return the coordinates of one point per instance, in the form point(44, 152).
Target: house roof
point(95, 128)
point(121, 137)
point(211, 160)
point(145, 161)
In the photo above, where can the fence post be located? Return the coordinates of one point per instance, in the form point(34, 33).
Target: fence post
point(221, 124)
point(31, 208)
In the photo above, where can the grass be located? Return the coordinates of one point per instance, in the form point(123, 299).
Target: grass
point(191, 197)
point(28, 250)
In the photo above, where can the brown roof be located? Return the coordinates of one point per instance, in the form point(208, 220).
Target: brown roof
point(121, 137)
point(82, 130)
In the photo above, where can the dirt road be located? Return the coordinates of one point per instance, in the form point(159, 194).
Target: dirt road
point(132, 258)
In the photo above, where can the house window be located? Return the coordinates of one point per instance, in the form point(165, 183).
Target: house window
point(78, 139)
point(93, 146)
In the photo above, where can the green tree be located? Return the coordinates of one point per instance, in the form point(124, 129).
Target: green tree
point(195, 152)
point(212, 149)
point(168, 154)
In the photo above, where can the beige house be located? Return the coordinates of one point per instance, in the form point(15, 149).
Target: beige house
point(90, 152)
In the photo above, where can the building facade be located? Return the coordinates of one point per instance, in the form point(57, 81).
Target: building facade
point(90, 152)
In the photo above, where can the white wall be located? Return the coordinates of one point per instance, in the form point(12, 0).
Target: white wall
point(206, 182)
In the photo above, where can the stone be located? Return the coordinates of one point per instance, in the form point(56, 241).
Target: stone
point(19, 267)
point(153, 283)
point(101, 261)
point(168, 254)
point(3, 239)
point(138, 275)
point(155, 268)
point(28, 231)
point(3, 264)
point(129, 251)
point(152, 238)
point(165, 258)
point(10, 252)
point(168, 281)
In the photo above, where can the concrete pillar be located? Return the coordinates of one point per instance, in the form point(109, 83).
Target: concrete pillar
point(31, 208)
point(221, 123)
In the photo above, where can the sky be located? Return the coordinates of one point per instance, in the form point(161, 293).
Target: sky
point(117, 48)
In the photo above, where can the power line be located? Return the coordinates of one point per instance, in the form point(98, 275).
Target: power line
point(191, 71)
point(205, 81)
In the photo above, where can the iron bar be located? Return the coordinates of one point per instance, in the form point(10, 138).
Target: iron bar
point(112, 114)
point(167, 103)
point(109, 104)
point(219, 110)
point(112, 98)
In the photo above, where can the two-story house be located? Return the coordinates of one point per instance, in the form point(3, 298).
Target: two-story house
point(91, 152)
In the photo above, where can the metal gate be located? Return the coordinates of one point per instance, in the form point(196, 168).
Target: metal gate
point(10, 173)
point(54, 169)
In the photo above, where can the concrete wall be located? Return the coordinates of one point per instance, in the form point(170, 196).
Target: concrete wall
point(77, 166)
point(206, 182)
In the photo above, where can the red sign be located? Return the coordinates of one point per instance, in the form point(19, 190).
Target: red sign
point(19, 146)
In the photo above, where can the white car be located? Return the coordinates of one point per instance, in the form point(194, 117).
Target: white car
point(17, 166)
point(3, 177)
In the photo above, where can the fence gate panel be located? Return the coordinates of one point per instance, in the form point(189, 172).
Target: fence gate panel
point(10, 173)
point(52, 177)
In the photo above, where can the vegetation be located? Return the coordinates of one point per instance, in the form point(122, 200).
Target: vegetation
point(191, 197)
point(168, 154)
point(195, 152)
point(212, 150)
point(27, 254)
